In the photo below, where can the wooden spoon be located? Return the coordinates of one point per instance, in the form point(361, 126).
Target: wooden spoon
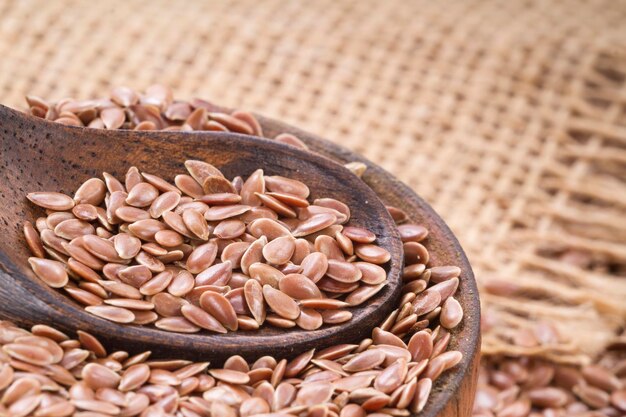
point(37, 155)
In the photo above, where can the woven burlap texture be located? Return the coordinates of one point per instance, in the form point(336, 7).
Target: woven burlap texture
point(507, 116)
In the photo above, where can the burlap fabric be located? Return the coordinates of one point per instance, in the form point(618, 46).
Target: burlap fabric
point(508, 116)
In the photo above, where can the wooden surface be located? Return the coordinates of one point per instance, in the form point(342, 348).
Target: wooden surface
point(43, 156)
point(26, 157)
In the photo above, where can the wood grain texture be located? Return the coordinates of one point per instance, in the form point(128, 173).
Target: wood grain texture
point(38, 155)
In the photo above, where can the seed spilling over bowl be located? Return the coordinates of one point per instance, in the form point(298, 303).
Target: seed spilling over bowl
point(206, 252)
point(408, 350)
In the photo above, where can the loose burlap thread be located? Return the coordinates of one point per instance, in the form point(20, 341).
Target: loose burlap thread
point(507, 116)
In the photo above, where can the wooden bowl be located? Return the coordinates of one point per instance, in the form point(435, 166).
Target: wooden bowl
point(37, 155)
point(453, 392)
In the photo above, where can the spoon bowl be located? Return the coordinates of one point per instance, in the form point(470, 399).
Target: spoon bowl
point(36, 155)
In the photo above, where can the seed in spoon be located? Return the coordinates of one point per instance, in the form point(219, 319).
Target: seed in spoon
point(281, 303)
point(51, 272)
point(51, 200)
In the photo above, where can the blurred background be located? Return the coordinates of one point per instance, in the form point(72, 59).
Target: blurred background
point(509, 117)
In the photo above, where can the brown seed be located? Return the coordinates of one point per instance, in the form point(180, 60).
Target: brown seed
point(276, 205)
point(253, 254)
point(121, 289)
point(224, 212)
point(142, 195)
point(202, 257)
point(600, 377)
point(159, 183)
point(188, 185)
point(234, 252)
point(165, 202)
point(214, 184)
point(314, 224)
point(146, 229)
point(73, 228)
point(59, 409)
point(129, 303)
point(157, 284)
point(201, 318)
point(299, 287)
point(116, 200)
point(83, 297)
point(284, 185)
point(279, 250)
point(353, 382)
point(422, 393)
point(33, 241)
point(309, 319)
point(314, 393)
point(53, 201)
point(134, 377)
point(343, 271)
point(51, 272)
point(415, 253)
point(281, 303)
point(254, 185)
point(230, 376)
point(451, 313)
point(359, 234)
point(268, 228)
point(113, 117)
point(176, 324)
point(124, 96)
point(112, 183)
point(442, 273)
point(364, 361)
point(200, 170)
point(229, 229)
point(135, 275)
point(336, 316)
point(364, 293)
point(91, 192)
point(412, 232)
point(218, 274)
point(32, 354)
point(116, 314)
point(102, 248)
point(22, 387)
point(323, 303)
point(153, 264)
point(219, 307)
point(426, 302)
point(85, 212)
point(196, 224)
point(591, 396)
point(446, 288)
point(99, 376)
point(618, 399)
point(370, 273)
point(314, 266)
point(88, 341)
point(372, 253)
point(253, 292)
point(181, 284)
point(420, 346)
point(547, 397)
